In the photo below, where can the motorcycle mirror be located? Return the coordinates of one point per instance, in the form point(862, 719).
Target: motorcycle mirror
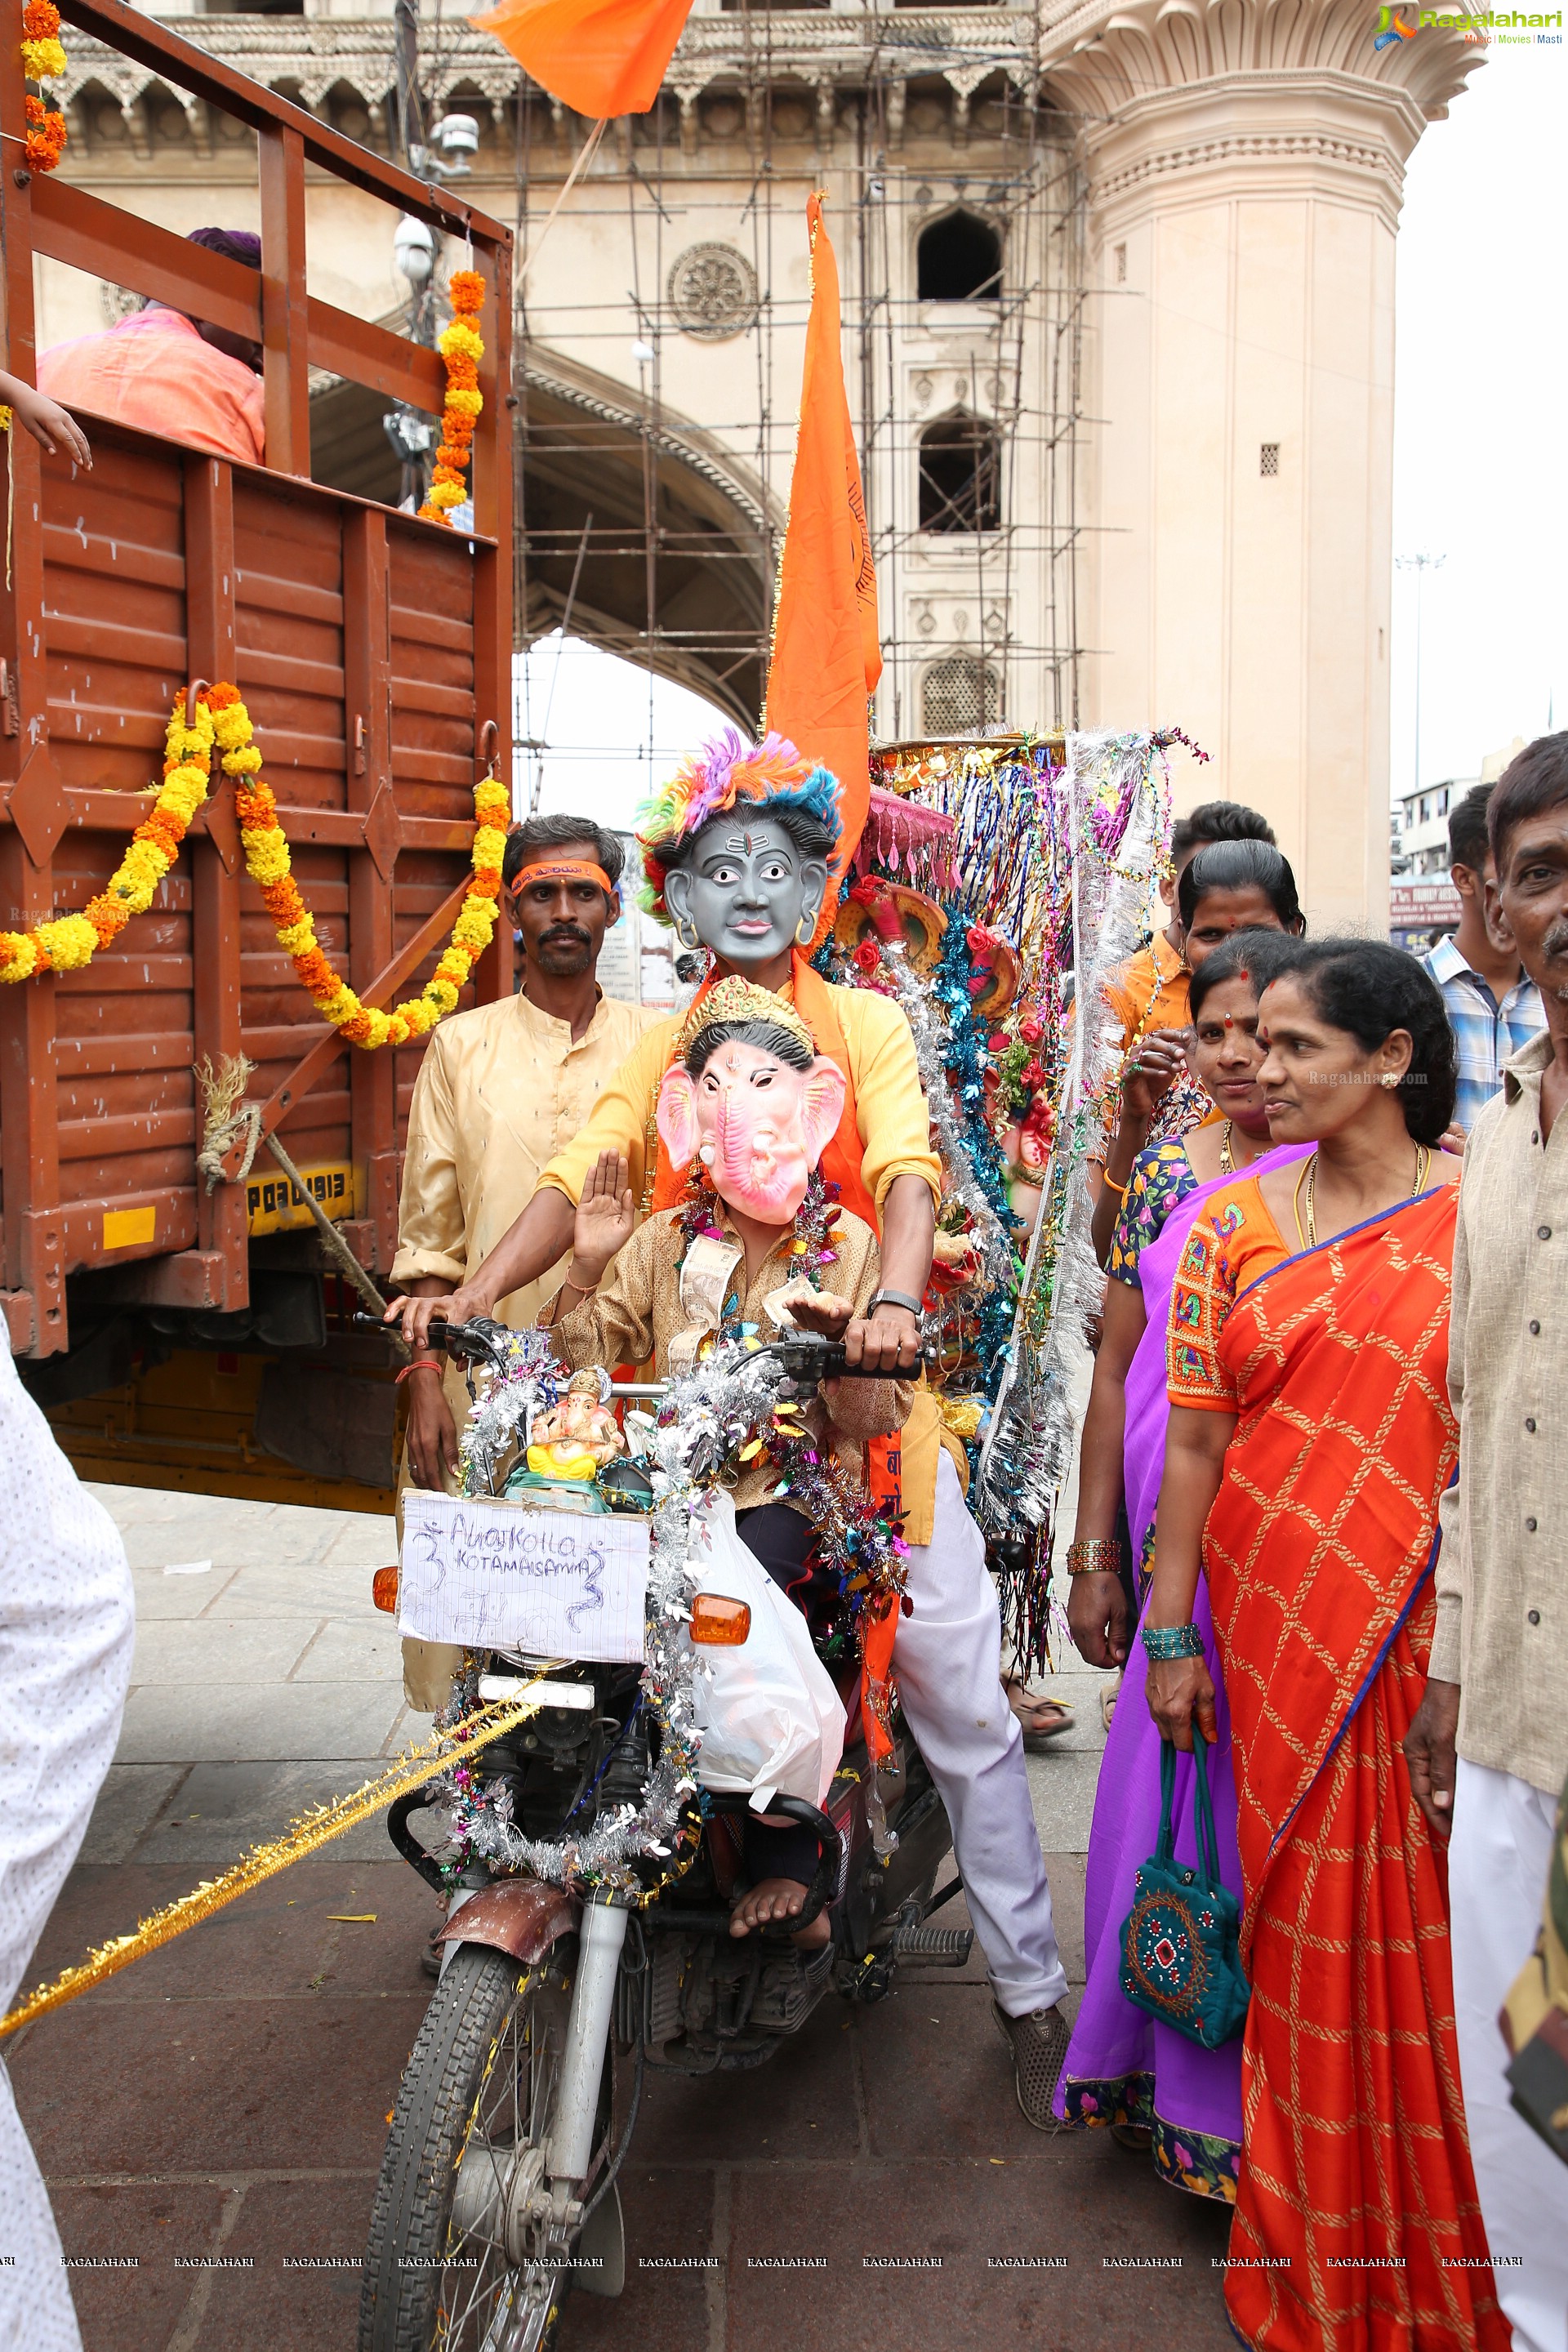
point(718, 1622)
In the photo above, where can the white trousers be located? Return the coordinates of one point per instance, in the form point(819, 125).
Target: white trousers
point(946, 1656)
point(1498, 1859)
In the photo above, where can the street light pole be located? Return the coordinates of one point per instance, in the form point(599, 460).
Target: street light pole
point(1420, 564)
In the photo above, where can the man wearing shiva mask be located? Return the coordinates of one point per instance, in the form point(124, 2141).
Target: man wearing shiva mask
point(744, 850)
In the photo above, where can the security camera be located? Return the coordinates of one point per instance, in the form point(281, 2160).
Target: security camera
point(456, 135)
point(410, 433)
point(414, 251)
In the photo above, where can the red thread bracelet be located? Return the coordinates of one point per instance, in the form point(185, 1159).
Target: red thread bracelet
point(420, 1364)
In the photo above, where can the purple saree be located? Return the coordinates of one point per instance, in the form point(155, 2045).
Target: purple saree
point(1122, 2067)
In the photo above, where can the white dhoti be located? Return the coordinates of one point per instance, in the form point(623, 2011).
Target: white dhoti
point(1497, 1861)
point(945, 1657)
point(66, 1624)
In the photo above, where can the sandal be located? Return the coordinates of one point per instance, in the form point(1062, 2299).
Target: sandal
point(1037, 1733)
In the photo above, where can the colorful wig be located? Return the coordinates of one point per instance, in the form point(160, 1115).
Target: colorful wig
point(770, 777)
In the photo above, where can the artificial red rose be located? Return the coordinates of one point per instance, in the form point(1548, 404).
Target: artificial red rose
point(864, 892)
point(1032, 1075)
point(868, 957)
point(1031, 1029)
point(981, 941)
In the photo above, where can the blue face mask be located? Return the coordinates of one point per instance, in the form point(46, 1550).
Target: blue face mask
point(748, 891)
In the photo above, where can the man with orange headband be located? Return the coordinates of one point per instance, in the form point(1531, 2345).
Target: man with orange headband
point(501, 1088)
point(744, 851)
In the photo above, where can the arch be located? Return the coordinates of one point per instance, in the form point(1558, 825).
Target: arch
point(960, 695)
point(958, 258)
point(959, 474)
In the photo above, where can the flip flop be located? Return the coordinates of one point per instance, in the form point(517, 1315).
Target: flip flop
point(1037, 1736)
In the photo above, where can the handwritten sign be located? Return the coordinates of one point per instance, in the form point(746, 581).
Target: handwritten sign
point(512, 1576)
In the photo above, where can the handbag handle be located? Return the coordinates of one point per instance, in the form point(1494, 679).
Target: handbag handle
point(1208, 1844)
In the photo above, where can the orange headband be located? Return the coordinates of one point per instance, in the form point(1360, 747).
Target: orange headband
point(565, 869)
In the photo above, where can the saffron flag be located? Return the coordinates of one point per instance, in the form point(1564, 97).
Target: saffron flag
point(598, 57)
point(826, 656)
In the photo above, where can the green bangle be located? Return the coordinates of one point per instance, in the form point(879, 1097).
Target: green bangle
point(1166, 1642)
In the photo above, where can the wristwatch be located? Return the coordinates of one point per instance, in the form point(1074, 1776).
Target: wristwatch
point(892, 1299)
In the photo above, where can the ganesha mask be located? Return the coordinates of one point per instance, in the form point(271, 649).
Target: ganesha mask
point(757, 1124)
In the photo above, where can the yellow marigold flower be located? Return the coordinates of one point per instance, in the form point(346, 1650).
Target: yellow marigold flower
point(266, 854)
point(69, 942)
point(489, 848)
point(296, 939)
point(187, 779)
point(442, 992)
point(245, 762)
point(491, 801)
point(460, 337)
point(232, 727)
point(447, 494)
point(466, 402)
point(43, 61)
point(19, 956)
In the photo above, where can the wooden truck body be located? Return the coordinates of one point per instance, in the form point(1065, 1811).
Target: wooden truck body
point(176, 1334)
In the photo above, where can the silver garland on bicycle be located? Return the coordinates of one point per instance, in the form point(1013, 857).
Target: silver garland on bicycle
point(708, 1413)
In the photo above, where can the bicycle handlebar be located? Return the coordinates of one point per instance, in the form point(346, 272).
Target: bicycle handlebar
point(805, 1356)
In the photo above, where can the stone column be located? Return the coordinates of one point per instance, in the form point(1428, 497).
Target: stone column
point(1245, 174)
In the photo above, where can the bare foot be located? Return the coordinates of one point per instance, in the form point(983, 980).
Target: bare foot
point(774, 1900)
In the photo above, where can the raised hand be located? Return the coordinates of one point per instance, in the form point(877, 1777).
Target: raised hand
point(606, 1215)
point(1152, 1068)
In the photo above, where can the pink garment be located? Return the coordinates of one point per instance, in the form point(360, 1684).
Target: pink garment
point(155, 372)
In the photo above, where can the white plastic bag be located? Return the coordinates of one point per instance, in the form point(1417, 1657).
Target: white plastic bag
point(771, 1720)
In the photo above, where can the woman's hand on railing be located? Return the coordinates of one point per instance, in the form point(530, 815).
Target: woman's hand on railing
point(1179, 1689)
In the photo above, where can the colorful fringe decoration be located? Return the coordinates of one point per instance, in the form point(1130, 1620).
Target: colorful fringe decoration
point(770, 774)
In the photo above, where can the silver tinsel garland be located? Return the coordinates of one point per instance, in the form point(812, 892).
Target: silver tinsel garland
point(708, 1412)
point(1029, 1441)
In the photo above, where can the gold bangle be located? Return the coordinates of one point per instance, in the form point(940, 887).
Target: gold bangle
point(1120, 1190)
point(1095, 1556)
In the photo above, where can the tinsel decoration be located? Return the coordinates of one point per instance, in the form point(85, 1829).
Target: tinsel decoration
point(312, 1831)
point(507, 1402)
point(1116, 824)
point(708, 1413)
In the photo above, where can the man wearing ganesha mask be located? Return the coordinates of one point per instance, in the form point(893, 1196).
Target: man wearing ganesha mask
point(743, 850)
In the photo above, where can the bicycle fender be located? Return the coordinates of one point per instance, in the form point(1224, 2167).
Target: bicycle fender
point(520, 1915)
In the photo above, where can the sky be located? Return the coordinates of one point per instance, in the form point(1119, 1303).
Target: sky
point(1480, 453)
point(1480, 473)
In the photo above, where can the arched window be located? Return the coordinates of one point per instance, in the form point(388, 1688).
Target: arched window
point(958, 260)
point(961, 474)
point(960, 696)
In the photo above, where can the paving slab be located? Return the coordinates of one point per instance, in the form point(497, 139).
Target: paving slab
point(161, 1596)
point(359, 1649)
point(221, 1649)
point(256, 1722)
point(221, 1809)
point(129, 1802)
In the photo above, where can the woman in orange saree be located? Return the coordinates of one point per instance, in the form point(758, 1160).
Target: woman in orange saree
point(1310, 1440)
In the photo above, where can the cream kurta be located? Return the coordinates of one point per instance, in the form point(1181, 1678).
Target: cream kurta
point(499, 1092)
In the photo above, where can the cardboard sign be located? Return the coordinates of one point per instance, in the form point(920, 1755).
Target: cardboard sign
point(512, 1576)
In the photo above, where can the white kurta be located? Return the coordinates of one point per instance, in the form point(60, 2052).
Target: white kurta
point(66, 1626)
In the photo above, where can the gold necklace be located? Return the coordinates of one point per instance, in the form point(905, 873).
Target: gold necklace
point(1308, 1240)
point(1227, 1164)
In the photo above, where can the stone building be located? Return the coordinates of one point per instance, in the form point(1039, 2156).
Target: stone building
point(1118, 337)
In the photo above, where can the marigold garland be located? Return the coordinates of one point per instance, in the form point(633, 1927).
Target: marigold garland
point(43, 59)
point(220, 721)
point(461, 347)
point(69, 941)
point(266, 862)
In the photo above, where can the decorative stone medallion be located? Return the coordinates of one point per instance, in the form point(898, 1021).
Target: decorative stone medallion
point(713, 292)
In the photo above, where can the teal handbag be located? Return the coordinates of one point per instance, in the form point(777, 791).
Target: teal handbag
point(1180, 1957)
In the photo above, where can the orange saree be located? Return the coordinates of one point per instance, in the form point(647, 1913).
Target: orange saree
point(1357, 2227)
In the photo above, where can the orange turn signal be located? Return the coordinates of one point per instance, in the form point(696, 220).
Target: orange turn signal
point(718, 1623)
point(383, 1589)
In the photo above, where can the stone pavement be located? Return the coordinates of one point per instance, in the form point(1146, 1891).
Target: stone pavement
point(222, 2103)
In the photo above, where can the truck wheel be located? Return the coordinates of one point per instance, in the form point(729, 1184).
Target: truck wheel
point(457, 2260)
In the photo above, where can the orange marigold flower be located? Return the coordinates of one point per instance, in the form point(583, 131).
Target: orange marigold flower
point(40, 20)
point(467, 287)
point(221, 697)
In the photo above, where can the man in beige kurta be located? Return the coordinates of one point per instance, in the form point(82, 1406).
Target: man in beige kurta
point(501, 1090)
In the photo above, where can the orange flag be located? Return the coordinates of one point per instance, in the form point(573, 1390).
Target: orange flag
point(598, 57)
point(826, 655)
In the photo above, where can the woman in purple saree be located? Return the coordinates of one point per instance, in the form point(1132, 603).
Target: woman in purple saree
point(1152, 2087)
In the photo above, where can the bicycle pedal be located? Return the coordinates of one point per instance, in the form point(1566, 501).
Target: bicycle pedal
point(943, 1948)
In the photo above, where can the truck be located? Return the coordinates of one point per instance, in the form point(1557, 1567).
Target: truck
point(180, 1331)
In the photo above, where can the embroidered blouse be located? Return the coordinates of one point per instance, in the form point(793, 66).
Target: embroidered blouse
point(1233, 1241)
